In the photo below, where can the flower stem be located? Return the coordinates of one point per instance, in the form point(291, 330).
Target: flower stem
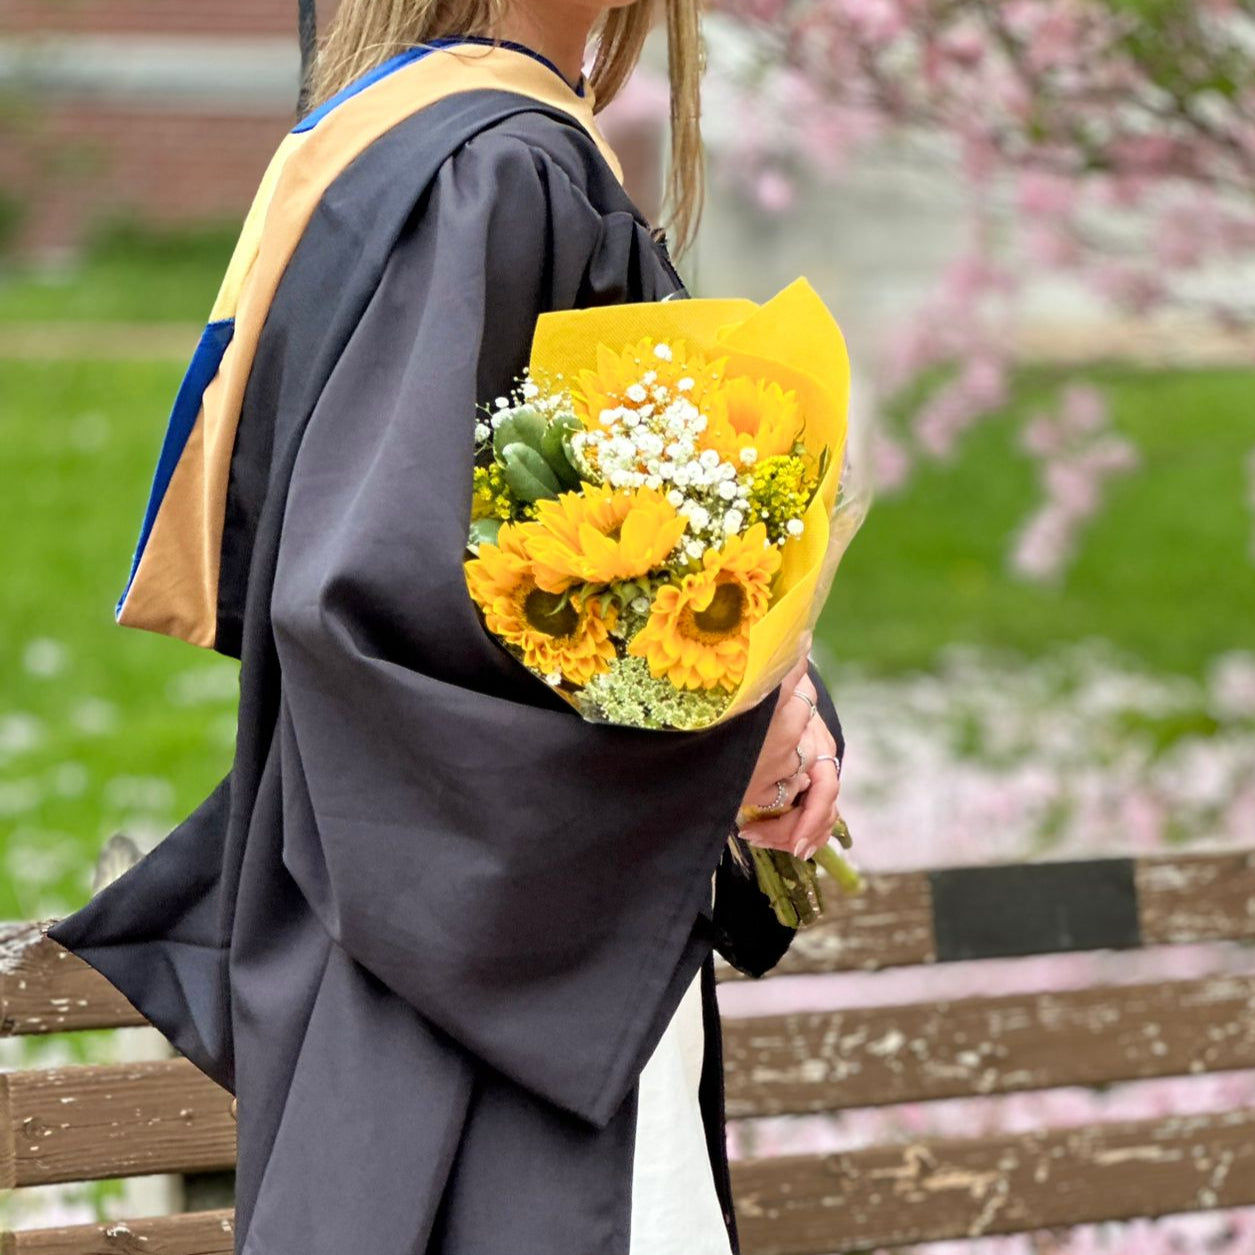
point(790, 884)
point(840, 869)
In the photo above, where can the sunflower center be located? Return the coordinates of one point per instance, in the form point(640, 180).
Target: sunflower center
point(724, 613)
point(551, 613)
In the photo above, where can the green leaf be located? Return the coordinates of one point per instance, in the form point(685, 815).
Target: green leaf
point(528, 474)
point(484, 532)
point(524, 425)
point(555, 445)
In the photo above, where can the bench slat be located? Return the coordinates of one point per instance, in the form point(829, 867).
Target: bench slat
point(46, 989)
point(199, 1233)
point(952, 1189)
point(1197, 897)
point(825, 1061)
point(119, 1120)
point(889, 924)
point(1180, 899)
point(890, 1195)
point(167, 1116)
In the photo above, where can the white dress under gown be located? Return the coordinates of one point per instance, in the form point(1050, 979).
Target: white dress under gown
point(675, 1208)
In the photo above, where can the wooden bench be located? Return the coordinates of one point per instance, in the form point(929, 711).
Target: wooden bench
point(85, 1123)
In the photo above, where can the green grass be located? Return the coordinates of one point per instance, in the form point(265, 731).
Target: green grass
point(1163, 572)
point(102, 729)
point(127, 276)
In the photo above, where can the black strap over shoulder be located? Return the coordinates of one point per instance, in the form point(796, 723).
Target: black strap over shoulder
point(307, 18)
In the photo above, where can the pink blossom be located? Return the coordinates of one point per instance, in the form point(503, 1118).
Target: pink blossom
point(1053, 246)
point(1044, 544)
point(891, 463)
point(1083, 410)
point(876, 20)
point(774, 191)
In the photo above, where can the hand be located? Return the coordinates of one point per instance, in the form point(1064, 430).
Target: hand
point(793, 731)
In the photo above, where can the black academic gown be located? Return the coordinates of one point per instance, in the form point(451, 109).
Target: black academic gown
point(431, 926)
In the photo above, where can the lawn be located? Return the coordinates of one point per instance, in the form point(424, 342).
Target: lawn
point(103, 729)
point(128, 276)
point(1164, 572)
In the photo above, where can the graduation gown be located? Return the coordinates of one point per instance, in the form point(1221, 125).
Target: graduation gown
point(432, 924)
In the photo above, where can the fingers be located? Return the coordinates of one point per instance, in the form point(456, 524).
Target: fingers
point(817, 812)
point(778, 760)
point(790, 724)
point(792, 680)
point(773, 834)
point(771, 796)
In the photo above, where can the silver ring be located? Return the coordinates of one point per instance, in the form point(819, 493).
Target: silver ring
point(801, 762)
point(828, 758)
point(782, 791)
point(806, 698)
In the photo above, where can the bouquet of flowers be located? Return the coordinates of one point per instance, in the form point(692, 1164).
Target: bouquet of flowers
point(658, 510)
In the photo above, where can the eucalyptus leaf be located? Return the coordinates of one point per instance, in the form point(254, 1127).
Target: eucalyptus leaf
point(528, 474)
point(555, 445)
point(525, 425)
point(484, 532)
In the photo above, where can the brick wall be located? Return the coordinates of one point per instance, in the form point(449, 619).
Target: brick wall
point(73, 160)
point(94, 163)
point(174, 17)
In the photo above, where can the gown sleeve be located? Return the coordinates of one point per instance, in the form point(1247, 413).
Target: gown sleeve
point(534, 885)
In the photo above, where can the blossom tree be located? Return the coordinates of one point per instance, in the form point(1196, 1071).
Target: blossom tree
point(1111, 142)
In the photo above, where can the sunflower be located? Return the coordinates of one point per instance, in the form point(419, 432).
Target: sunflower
point(556, 635)
point(698, 631)
point(601, 536)
point(621, 379)
point(747, 413)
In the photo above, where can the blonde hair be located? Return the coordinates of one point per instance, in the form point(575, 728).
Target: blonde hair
point(366, 33)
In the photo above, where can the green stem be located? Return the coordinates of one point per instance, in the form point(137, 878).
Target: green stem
point(791, 886)
point(840, 869)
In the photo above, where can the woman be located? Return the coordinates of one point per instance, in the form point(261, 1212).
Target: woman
point(444, 940)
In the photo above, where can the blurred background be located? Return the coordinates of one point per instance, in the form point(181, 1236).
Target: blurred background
point(1035, 221)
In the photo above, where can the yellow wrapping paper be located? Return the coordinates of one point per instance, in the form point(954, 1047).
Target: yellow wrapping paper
point(791, 340)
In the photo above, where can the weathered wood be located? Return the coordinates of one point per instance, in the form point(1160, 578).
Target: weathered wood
point(890, 1195)
point(88, 1123)
point(1197, 897)
point(889, 924)
point(1181, 898)
point(199, 1233)
point(46, 989)
point(952, 1189)
point(823, 1061)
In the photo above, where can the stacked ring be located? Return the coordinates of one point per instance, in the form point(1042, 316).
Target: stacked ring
point(806, 698)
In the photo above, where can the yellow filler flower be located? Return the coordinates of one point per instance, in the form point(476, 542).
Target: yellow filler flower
point(557, 636)
point(698, 631)
point(601, 536)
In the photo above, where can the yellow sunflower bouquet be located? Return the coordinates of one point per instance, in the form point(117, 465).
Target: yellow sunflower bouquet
point(659, 508)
